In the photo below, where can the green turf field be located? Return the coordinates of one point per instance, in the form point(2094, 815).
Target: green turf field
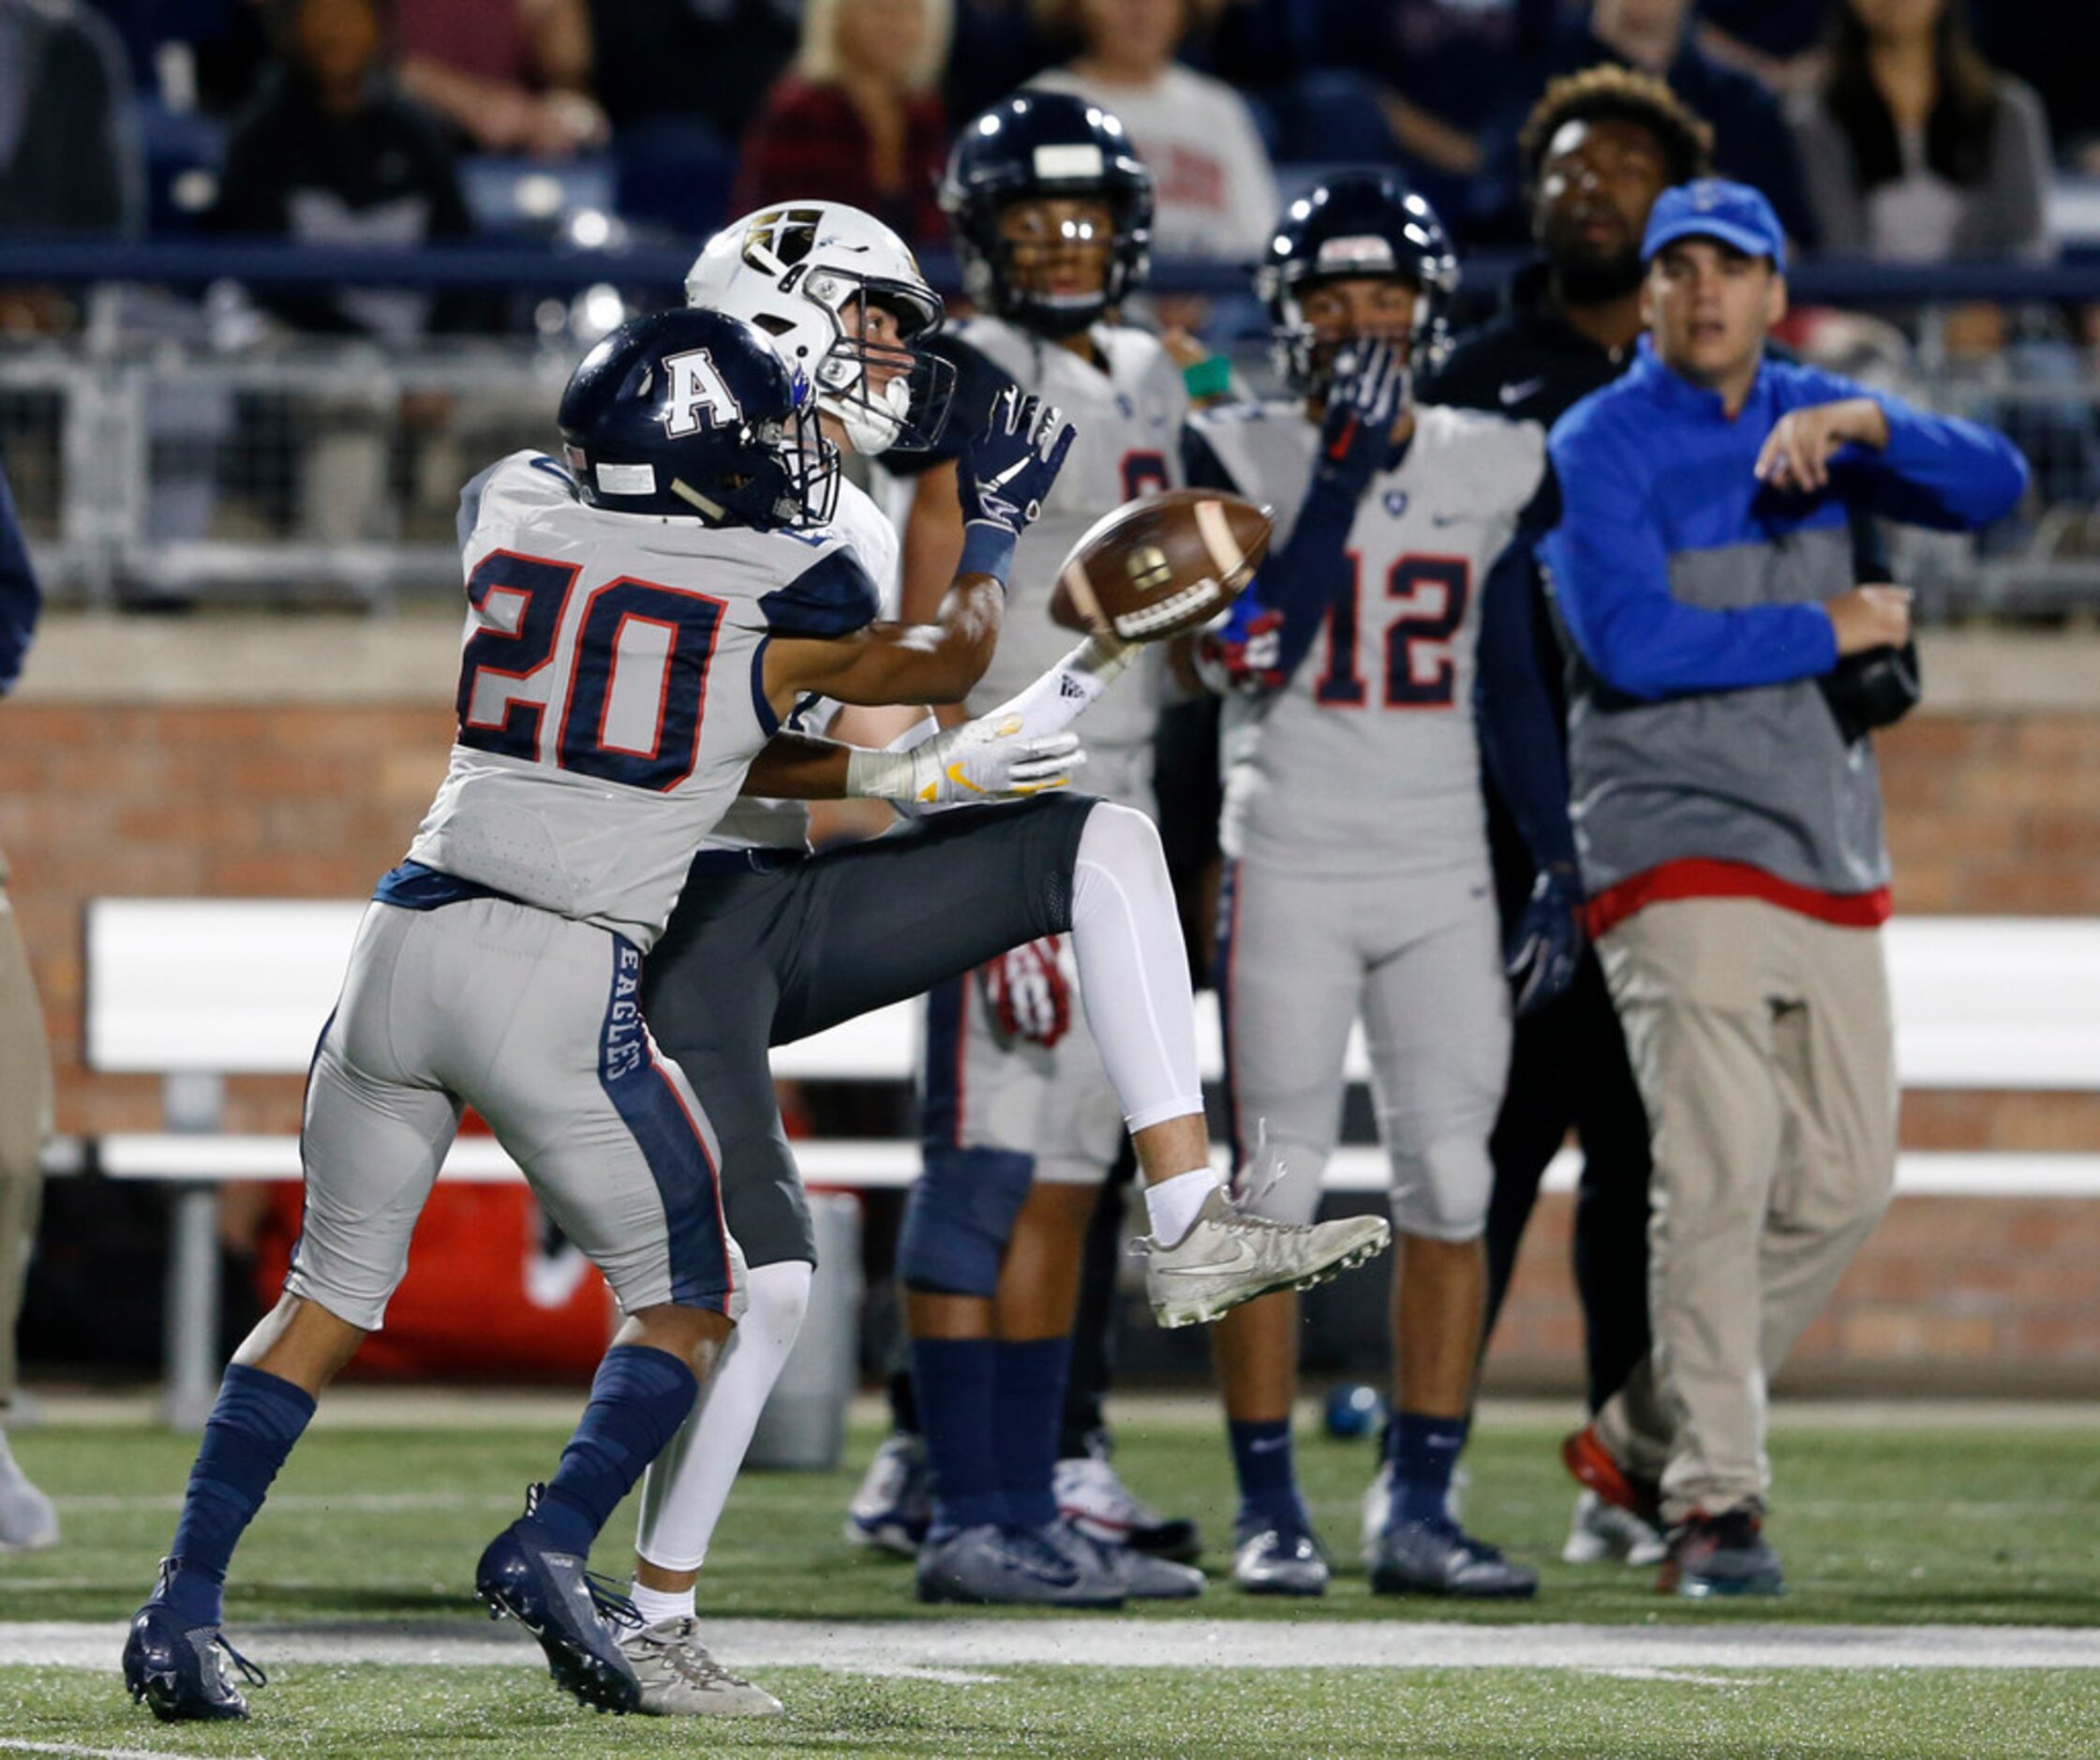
point(1881, 1526)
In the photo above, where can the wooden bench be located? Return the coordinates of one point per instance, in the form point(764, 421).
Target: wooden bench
point(197, 990)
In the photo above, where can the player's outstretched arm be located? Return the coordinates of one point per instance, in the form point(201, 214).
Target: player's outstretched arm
point(1002, 477)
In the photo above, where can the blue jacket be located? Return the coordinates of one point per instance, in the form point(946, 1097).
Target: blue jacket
point(1693, 596)
point(19, 598)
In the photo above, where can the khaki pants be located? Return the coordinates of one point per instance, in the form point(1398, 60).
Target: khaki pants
point(1763, 1047)
point(24, 1119)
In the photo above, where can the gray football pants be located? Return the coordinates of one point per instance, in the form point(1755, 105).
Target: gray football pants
point(772, 946)
point(1764, 1050)
point(25, 1101)
point(1301, 956)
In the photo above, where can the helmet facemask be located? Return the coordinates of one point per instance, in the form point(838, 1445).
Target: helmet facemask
point(910, 409)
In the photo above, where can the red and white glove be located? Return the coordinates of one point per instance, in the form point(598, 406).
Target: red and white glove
point(1241, 652)
point(1028, 990)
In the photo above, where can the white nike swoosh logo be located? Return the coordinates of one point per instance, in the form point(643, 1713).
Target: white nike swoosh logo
point(1517, 394)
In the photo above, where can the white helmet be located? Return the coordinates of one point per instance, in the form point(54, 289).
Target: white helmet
point(792, 269)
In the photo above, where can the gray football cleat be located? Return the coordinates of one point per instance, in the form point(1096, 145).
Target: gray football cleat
point(679, 1678)
point(1440, 1558)
point(1604, 1534)
point(1139, 1576)
point(988, 1566)
point(28, 1519)
point(1229, 1257)
point(1278, 1558)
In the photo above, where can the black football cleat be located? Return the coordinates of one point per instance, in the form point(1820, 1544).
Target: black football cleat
point(180, 1672)
point(548, 1593)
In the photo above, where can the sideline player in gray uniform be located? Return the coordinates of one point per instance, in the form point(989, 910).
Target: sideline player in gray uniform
point(1051, 210)
point(640, 621)
point(28, 1522)
point(1357, 885)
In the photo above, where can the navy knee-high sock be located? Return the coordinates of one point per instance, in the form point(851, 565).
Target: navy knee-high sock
point(1423, 1450)
point(953, 1381)
point(1028, 1400)
point(256, 1419)
point(1261, 1462)
point(639, 1399)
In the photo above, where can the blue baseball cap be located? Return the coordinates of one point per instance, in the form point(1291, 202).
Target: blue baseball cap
point(1712, 207)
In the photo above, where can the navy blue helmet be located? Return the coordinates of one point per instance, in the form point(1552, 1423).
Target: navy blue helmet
point(691, 413)
point(1356, 223)
point(1037, 144)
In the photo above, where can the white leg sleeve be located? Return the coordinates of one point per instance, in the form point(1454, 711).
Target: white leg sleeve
point(1133, 974)
point(685, 1488)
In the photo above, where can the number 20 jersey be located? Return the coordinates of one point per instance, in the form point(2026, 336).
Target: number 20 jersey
point(610, 691)
point(1368, 761)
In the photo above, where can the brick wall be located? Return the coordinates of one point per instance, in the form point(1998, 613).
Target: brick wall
point(203, 793)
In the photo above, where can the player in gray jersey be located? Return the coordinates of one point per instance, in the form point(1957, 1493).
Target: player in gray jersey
point(1358, 887)
point(1051, 211)
point(642, 615)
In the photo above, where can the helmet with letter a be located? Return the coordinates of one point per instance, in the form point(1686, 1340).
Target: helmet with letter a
point(812, 276)
point(694, 414)
point(1353, 223)
point(1042, 147)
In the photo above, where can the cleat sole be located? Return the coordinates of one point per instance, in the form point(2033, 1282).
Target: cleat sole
point(583, 1677)
point(1201, 1313)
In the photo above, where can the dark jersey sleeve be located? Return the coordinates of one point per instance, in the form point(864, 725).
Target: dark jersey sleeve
point(833, 598)
point(19, 600)
point(1201, 468)
point(977, 385)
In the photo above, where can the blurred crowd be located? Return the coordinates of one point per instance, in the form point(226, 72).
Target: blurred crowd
point(1901, 129)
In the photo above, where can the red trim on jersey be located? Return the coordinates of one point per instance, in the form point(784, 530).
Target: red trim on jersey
point(1697, 877)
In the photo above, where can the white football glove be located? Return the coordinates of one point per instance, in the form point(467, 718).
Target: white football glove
point(983, 760)
point(1021, 748)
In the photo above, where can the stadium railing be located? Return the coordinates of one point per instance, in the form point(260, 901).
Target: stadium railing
point(179, 446)
point(195, 990)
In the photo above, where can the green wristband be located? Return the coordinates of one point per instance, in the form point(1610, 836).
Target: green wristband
point(1209, 378)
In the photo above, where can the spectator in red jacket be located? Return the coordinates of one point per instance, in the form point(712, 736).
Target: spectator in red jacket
point(857, 118)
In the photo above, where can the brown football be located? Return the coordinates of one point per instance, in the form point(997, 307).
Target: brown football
point(1153, 568)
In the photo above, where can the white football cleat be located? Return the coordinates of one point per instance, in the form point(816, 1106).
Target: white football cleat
point(893, 1507)
point(1092, 1498)
point(28, 1519)
point(1378, 1505)
point(1602, 1533)
point(680, 1680)
point(1229, 1257)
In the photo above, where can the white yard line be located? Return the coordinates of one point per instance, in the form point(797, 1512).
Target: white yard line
point(10, 1744)
point(969, 1645)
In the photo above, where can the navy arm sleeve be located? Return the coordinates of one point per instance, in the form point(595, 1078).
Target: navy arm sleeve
point(19, 600)
point(1520, 735)
point(1301, 581)
point(978, 386)
point(1610, 575)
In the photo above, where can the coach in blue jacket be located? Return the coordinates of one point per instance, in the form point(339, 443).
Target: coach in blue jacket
point(1731, 834)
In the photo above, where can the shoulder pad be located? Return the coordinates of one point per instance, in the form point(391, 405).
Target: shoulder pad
point(833, 597)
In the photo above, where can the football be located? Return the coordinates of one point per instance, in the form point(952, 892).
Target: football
point(1156, 567)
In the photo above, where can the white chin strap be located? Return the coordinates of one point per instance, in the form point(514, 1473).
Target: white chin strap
point(871, 424)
